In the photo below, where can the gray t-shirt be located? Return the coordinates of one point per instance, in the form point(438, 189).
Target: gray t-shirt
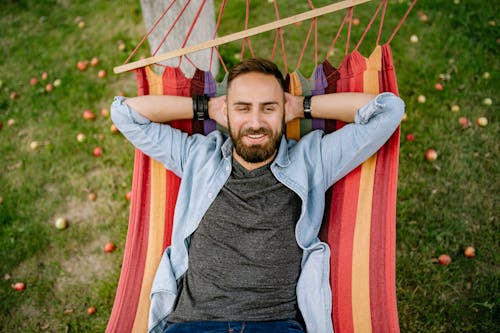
point(244, 261)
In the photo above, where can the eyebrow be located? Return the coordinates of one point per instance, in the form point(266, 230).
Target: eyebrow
point(262, 103)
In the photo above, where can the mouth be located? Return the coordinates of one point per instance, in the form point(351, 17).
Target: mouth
point(255, 139)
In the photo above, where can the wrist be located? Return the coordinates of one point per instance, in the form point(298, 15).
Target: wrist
point(306, 104)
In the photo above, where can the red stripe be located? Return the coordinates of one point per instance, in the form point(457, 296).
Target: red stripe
point(129, 286)
point(343, 215)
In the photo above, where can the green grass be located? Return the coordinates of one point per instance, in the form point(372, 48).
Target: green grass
point(443, 206)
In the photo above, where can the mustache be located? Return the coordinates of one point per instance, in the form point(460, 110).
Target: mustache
point(253, 131)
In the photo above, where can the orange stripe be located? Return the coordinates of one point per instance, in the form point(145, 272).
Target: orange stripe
point(293, 127)
point(156, 225)
point(361, 250)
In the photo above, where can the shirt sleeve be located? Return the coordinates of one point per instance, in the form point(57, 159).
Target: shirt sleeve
point(165, 144)
point(348, 147)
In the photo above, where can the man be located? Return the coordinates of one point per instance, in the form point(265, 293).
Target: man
point(245, 254)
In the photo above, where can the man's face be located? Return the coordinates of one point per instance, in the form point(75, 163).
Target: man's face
point(255, 116)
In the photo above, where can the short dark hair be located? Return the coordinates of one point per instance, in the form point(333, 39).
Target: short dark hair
point(256, 65)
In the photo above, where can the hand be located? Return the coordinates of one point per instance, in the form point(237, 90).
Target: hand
point(216, 112)
point(293, 107)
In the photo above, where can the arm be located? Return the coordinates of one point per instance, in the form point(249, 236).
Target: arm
point(338, 106)
point(165, 108)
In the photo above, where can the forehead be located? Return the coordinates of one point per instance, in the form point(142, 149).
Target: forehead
point(255, 85)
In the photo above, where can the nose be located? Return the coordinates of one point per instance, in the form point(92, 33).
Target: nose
point(255, 119)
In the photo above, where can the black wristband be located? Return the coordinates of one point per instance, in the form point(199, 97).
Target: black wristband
point(307, 107)
point(200, 107)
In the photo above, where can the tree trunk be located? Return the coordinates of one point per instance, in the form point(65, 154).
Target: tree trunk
point(203, 30)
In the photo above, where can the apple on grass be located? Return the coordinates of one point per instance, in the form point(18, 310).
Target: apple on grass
point(482, 121)
point(88, 115)
point(128, 196)
point(94, 62)
point(109, 247)
point(97, 151)
point(91, 310)
point(431, 155)
point(19, 286)
point(81, 65)
point(410, 137)
point(470, 252)
point(61, 223)
point(444, 259)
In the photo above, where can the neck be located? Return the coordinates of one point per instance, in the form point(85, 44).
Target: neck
point(249, 165)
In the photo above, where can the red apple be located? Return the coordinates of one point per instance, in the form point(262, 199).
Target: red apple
point(97, 151)
point(11, 122)
point(91, 310)
point(431, 155)
point(444, 259)
point(105, 113)
point(470, 252)
point(128, 196)
point(94, 62)
point(438, 86)
point(81, 65)
point(88, 115)
point(14, 95)
point(355, 21)
point(102, 74)
point(464, 121)
point(410, 137)
point(45, 76)
point(109, 247)
point(49, 87)
point(114, 129)
point(33, 81)
point(19, 286)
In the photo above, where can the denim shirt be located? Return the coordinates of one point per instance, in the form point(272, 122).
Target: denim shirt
point(308, 167)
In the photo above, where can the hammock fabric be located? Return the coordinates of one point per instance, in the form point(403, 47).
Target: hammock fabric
point(360, 218)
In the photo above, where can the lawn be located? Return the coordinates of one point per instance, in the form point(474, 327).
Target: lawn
point(444, 205)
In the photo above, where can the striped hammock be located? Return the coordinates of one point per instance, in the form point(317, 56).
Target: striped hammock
point(359, 221)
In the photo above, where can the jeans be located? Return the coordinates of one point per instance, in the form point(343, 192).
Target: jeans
point(278, 326)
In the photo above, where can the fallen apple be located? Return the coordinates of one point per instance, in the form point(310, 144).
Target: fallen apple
point(464, 121)
point(11, 122)
point(487, 101)
point(97, 151)
point(455, 108)
point(470, 252)
point(61, 223)
point(444, 259)
point(81, 24)
point(81, 65)
point(105, 113)
point(482, 121)
point(486, 75)
point(14, 95)
point(33, 81)
point(356, 21)
point(19, 286)
point(128, 196)
point(45, 76)
point(92, 196)
point(438, 86)
point(431, 155)
point(114, 129)
point(102, 74)
point(410, 137)
point(91, 310)
point(421, 99)
point(88, 115)
point(94, 62)
point(49, 87)
point(80, 137)
point(57, 82)
point(34, 145)
point(414, 39)
point(109, 247)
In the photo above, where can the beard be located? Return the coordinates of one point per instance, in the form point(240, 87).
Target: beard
point(256, 153)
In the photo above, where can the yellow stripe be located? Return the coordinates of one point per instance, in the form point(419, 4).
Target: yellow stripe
point(361, 244)
point(361, 250)
point(293, 127)
point(156, 225)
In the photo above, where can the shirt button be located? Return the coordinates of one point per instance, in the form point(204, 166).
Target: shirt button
point(227, 168)
point(210, 195)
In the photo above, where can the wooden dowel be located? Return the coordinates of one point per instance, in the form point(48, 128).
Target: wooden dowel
point(239, 35)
